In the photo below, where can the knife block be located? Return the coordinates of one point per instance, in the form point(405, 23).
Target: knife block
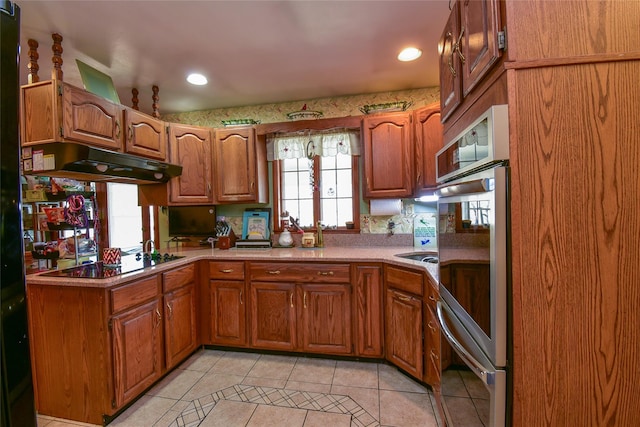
point(226, 242)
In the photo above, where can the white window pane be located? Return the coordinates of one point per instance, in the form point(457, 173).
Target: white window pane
point(344, 183)
point(343, 161)
point(125, 216)
point(306, 213)
point(329, 185)
point(290, 185)
point(290, 164)
point(345, 211)
point(328, 163)
point(305, 189)
point(329, 213)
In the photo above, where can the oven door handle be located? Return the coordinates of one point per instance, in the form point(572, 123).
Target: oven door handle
point(475, 186)
point(486, 375)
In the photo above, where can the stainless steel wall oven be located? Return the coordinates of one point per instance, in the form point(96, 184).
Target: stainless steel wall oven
point(473, 246)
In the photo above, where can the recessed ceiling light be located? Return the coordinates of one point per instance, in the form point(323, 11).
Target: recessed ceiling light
point(409, 54)
point(197, 79)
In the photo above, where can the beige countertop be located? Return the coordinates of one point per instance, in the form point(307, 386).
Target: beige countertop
point(296, 254)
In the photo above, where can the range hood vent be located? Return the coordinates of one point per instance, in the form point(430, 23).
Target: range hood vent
point(85, 163)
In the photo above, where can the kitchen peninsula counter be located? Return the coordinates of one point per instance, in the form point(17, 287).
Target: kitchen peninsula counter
point(293, 255)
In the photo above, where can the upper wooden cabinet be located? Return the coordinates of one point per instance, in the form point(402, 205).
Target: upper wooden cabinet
point(54, 111)
point(388, 155)
point(240, 166)
point(428, 134)
point(468, 48)
point(190, 147)
point(144, 135)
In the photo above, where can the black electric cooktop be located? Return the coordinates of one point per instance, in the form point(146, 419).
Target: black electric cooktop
point(98, 270)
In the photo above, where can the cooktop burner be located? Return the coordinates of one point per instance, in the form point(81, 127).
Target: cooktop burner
point(98, 270)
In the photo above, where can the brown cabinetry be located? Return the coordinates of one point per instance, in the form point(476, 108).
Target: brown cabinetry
point(190, 147)
point(144, 135)
point(428, 137)
point(403, 320)
point(302, 307)
point(240, 166)
point(179, 314)
point(227, 321)
point(469, 46)
point(388, 155)
point(53, 111)
point(368, 310)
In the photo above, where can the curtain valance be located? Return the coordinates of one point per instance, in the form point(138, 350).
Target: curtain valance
point(313, 143)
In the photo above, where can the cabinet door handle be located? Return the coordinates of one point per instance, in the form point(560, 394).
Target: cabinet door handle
point(170, 310)
point(458, 44)
point(453, 52)
point(227, 270)
point(117, 129)
point(432, 298)
point(241, 297)
point(291, 299)
point(304, 299)
point(325, 273)
point(273, 271)
point(404, 298)
point(159, 318)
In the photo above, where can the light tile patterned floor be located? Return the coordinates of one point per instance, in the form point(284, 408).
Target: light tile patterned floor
point(218, 388)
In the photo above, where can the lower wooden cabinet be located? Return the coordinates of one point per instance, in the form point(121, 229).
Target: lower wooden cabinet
point(403, 331)
point(301, 307)
point(227, 304)
point(368, 312)
point(180, 324)
point(137, 350)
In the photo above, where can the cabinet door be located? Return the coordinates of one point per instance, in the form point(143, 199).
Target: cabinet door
point(190, 147)
point(235, 160)
point(388, 155)
point(403, 332)
point(91, 119)
point(450, 68)
point(428, 142)
point(273, 315)
point(326, 318)
point(180, 325)
point(137, 350)
point(368, 307)
point(145, 135)
point(228, 312)
point(479, 21)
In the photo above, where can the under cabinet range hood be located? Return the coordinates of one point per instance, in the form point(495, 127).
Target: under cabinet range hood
point(85, 163)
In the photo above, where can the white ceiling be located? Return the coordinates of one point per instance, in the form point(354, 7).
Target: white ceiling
point(253, 52)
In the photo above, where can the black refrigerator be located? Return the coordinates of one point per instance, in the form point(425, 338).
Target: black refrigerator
point(16, 400)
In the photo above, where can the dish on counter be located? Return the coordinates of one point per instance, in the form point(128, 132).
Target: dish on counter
point(386, 107)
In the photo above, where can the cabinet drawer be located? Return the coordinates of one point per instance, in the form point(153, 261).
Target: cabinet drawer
point(432, 294)
point(408, 281)
point(178, 278)
point(432, 348)
point(233, 270)
point(134, 293)
point(278, 272)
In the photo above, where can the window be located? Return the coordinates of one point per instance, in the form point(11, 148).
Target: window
point(125, 216)
point(315, 177)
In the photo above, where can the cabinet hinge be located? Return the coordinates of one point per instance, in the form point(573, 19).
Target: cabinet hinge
point(59, 90)
point(502, 39)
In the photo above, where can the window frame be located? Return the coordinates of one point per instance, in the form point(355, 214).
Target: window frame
point(355, 188)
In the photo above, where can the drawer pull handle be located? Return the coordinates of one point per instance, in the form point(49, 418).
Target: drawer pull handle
point(430, 325)
point(273, 271)
point(227, 270)
point(404, 298)
point(325, 273)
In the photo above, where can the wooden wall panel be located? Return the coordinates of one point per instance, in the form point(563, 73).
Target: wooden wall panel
point(576, 222)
